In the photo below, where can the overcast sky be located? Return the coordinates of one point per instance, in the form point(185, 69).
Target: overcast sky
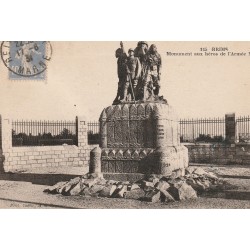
point(82, 80)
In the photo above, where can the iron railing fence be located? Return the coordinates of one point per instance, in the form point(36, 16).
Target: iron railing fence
point(0, 132)
point(191, 130)
point(43, 133)
point(243, 128)
point(37, 133)
point(93, 132)
point(202, 130)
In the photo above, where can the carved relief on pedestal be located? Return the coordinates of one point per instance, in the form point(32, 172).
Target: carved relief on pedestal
point(134, 134)
point(125, 133)
point(105, 167)
point(118, 134)
point(124, 160)
point(110, 133)
point(111, 168)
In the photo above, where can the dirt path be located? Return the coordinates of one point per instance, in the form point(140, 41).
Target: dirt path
point(27, 195)
point(25, 190)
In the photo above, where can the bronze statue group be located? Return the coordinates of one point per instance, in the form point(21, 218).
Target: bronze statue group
point(139, 73)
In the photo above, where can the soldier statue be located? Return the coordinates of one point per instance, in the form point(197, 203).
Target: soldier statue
point(121, 56)
point(141, 51)
point(133, 67)
point(152, 77)
point(139, 73)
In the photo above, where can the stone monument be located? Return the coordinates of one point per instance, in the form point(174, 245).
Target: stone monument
point(139, 134)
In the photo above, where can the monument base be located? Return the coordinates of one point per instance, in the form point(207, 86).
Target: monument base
point(139, 139)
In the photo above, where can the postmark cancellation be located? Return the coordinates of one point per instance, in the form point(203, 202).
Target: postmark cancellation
point(26, 60)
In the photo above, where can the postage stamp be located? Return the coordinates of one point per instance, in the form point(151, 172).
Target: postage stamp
point(26, 60)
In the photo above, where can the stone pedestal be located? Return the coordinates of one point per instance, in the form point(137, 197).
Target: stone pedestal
point(95, 160)
point(140, 139)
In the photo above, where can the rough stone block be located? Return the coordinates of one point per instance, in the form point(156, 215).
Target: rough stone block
point(166, 196)
point(96, 189)
point(162, 185)
point(152, 196)
point(119, 192)
point(182, 191)
point(134, 194)
point(107, 191)
point(71, 184)
point(134, 186)
point(55, 189)
point(199, 171)
point(89, 182)
point(76, 190)
point(147, 184)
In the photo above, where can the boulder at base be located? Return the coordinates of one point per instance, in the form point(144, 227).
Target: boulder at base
point(152, 196)
point(134, 194)
point(182, 191)
point(107, 191)
point(166, 196)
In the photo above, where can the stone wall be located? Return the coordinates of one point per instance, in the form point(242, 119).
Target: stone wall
point(21, 158)
point(238, 153)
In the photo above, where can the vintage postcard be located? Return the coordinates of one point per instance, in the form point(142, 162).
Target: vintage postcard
point(124, 124)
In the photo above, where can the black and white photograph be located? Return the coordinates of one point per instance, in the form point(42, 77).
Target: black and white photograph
point(124, 125)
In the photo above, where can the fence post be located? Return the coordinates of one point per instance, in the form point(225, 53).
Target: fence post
point(83, 140)
point(193, 129)
point(0, 133)
point(230, 126)
point(6, 135)
point(82, 136)
point(77, 130)
point(6, 142)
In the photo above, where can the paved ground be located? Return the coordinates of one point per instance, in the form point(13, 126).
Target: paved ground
point(25, 190)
